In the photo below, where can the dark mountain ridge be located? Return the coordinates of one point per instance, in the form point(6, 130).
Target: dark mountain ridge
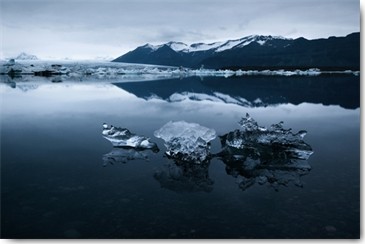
point(260, 52)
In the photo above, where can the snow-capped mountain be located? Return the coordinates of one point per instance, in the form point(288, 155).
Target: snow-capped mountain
point(253, 51)
point(25, 56)
point(216, 46)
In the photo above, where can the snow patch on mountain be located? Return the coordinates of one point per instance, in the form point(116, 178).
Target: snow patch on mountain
point(228, 45)
point(216, 46)
point(178, 46)
point(203, 47)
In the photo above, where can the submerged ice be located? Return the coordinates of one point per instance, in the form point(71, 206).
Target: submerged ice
point(182, 176)
point(122, 137)
point(186, 141)
point(123, 155)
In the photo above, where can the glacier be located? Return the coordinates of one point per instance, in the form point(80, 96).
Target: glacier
point(186, 141)
point(273, 156)
point(122, 137)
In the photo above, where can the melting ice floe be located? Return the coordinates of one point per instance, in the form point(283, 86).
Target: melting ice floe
point(265, 155)
point(122, 137)
point(186, 141)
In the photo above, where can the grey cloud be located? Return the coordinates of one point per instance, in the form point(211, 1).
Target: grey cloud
point(122, 25)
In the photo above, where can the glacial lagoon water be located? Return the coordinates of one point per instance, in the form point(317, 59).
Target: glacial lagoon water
point(61, 179)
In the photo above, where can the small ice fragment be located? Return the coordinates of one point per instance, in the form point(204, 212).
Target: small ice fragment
point(122, 137)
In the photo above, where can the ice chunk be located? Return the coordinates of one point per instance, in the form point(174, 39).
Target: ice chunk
point(122, 137)
point(11, 62)
point(274, 156)
point(181, 176)
point(249, 124)
point(186, 141)
point(123, 155)
point(276, 136)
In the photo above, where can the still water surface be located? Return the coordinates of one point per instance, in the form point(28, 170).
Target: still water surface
point(59, 181)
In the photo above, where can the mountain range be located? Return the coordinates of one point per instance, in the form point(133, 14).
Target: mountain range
point(254, 52)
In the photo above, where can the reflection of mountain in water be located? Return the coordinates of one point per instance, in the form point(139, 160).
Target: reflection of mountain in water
point(339, 90)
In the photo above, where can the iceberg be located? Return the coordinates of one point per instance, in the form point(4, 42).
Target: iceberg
point(274, 155)
point(25, 56)
point(186, 141)
point(122, 137)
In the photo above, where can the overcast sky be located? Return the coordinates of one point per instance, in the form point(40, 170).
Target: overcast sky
point(86, 29)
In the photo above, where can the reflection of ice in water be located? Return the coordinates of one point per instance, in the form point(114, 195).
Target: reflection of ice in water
point(259, 155)
point(263, 166)
point(186, 141)
point(122, 137)
point(123, 155)
point(180, 176)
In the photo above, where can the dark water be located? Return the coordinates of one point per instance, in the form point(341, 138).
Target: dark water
point(57, 180)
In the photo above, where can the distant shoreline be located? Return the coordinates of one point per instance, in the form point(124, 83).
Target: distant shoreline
point(107, 69)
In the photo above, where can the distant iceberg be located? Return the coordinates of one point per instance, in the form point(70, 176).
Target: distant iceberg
point(122, 137)
point(186, 141)
point(26, 64)
point(26, 56)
